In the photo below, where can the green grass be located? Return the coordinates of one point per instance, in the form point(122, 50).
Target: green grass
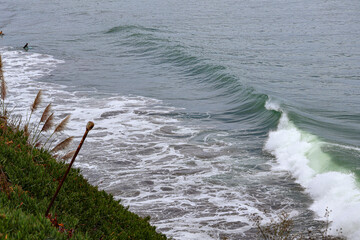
point(32, 177)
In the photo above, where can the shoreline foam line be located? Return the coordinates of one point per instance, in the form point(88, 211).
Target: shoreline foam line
point(146, 156)
point(328, 185)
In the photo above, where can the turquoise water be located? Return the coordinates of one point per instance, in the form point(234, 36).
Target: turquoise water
point(210, 110)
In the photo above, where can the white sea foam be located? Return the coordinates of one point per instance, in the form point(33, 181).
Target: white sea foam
point(273, 105)
point(330, 187)
point(141, 155)
point(357, 149)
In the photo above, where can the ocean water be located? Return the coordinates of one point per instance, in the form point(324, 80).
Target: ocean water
point(205, 111)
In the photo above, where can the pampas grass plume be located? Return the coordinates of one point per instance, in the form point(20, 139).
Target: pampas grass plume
point(62, 125)
point(68, 155)
point(3, 88)
point(48, 123)
point(3, 83)
point(64, 144)
point(36, 102)
point(46, 113)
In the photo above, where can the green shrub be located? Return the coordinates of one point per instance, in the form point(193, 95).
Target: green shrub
point(33, 175)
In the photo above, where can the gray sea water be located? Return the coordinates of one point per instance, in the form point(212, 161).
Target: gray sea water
point(206, 111)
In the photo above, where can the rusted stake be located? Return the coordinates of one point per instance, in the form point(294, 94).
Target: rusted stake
point(89, 126)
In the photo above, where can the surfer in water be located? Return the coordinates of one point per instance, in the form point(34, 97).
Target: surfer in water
point(26, 47)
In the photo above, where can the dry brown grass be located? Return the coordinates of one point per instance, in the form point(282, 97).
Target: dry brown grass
point(63, 145)
point(62, 125)
point(35, 131)
point(282, 228)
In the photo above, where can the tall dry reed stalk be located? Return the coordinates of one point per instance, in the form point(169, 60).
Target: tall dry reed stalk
point(68, 155)
point(63, 145)
point(33, 131)
point(34, 106)
point(58, 129)
point(46, 113)
point(48, 123)
point(3, 91)
point(62, 125)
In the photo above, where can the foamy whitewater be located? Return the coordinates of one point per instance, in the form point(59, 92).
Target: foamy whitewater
point(138, 153)
point(159, 170)
point(205, 112)
point(301, 154)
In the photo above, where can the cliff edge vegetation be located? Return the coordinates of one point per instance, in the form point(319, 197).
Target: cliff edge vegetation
point(29, 176)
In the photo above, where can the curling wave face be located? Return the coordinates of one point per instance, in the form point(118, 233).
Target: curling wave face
point(331, 186)
point(184, 176)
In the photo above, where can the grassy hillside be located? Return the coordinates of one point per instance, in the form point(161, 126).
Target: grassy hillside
point(29, 178)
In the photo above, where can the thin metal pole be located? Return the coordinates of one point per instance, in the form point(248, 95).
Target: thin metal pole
point(89, 126)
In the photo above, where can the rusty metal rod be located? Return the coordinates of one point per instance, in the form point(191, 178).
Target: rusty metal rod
point(89, 126)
